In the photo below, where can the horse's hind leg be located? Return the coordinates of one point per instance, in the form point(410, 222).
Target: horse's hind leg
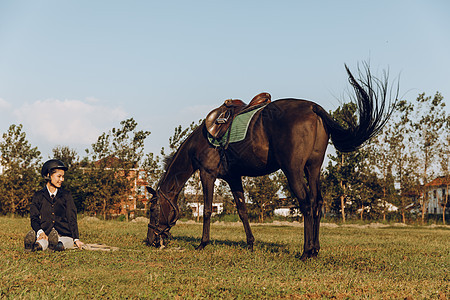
point(238, 195)
point(312, 169)
point(313, 175)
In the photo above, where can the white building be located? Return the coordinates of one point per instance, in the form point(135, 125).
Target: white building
point(437, 193)
point(287, 211)
point(197, 208)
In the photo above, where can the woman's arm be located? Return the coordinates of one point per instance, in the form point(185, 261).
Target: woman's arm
point(72, 216)
point(35, 212)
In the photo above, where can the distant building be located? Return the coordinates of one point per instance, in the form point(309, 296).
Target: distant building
point(197, 208)
point(138, 193)
point(287, 211)
point(194, 200)
point(437, 195)
point(285, 208)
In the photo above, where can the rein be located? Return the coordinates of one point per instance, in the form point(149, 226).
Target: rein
point(165, 231)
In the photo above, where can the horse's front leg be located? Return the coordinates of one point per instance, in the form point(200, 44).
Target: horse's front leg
point(208, 193)
point(238, 195)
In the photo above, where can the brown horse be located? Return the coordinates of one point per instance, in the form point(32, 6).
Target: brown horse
point(287, 134)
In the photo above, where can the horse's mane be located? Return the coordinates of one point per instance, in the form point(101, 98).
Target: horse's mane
point(167, 160)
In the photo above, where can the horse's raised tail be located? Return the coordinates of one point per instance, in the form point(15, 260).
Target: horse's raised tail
point(374, 110)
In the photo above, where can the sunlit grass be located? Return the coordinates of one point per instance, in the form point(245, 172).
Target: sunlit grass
point(354, 263)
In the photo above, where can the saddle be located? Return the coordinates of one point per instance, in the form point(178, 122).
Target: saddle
point(219, 120)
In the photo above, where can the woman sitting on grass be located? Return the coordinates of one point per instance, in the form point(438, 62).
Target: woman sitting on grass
point(53, 213)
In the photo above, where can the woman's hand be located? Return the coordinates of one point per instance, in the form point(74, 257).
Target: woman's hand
point(42, 236)
point(79, 244)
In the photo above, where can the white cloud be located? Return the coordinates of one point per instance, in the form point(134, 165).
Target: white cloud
point(92, 100)
point(4, 104)
point(68, 122)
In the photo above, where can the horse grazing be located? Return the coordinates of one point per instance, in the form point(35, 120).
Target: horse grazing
point(287, 134)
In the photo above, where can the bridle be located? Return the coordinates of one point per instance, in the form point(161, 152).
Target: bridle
point(168, 225)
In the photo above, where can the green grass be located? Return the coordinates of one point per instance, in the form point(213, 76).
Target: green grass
point(354, 263)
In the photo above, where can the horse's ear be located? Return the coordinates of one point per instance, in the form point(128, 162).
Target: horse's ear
point(151, 191)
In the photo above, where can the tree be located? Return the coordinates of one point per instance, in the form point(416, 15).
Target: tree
point(66, 155)
point(179, 136)
point(21, 171)
point(175, 142)
point(195, 187)
point(351, 179)
point(114, 159)
point(74, 179)
point(368, 195)
point(327, 190)
point(404, 157)
point(104, 190)
point(430, 118)
point(153, 171)
point(222, 189)
point(151, 166)
point(262, 192)
point(128, 149)
point(342, 172)
point(380, 159)
point(444, 159)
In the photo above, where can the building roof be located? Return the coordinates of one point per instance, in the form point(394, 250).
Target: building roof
point(110, 162)
point(440, 181)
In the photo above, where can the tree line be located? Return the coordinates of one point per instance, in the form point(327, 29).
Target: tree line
point(392, 169)
point(395, 167)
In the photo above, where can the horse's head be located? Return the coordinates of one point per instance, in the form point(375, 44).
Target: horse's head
point(163, 215)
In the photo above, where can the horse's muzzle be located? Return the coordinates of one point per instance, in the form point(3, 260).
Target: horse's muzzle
point(156, 237)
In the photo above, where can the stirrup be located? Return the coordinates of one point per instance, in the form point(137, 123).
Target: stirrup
point(223, 117)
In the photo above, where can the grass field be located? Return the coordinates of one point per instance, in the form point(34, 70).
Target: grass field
point(354, 263)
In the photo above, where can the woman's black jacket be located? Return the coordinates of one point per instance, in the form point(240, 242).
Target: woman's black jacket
point(59, 213)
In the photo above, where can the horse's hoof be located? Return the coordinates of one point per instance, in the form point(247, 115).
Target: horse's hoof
point(250, 247)
point(304, 257)
point(308, 255)
point(201, 246)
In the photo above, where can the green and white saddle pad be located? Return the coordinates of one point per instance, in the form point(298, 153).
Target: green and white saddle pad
point(237, 130)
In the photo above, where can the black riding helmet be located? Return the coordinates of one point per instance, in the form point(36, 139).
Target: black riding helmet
point(51, 165)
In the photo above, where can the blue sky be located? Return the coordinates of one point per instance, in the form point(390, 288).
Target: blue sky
point(70, 70)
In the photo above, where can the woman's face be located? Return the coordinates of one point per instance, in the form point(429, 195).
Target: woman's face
point(57, 178)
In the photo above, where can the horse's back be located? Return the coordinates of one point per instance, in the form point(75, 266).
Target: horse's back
point(288, 105)
point(294, 129)
point(287, 115)
point(284, 131)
